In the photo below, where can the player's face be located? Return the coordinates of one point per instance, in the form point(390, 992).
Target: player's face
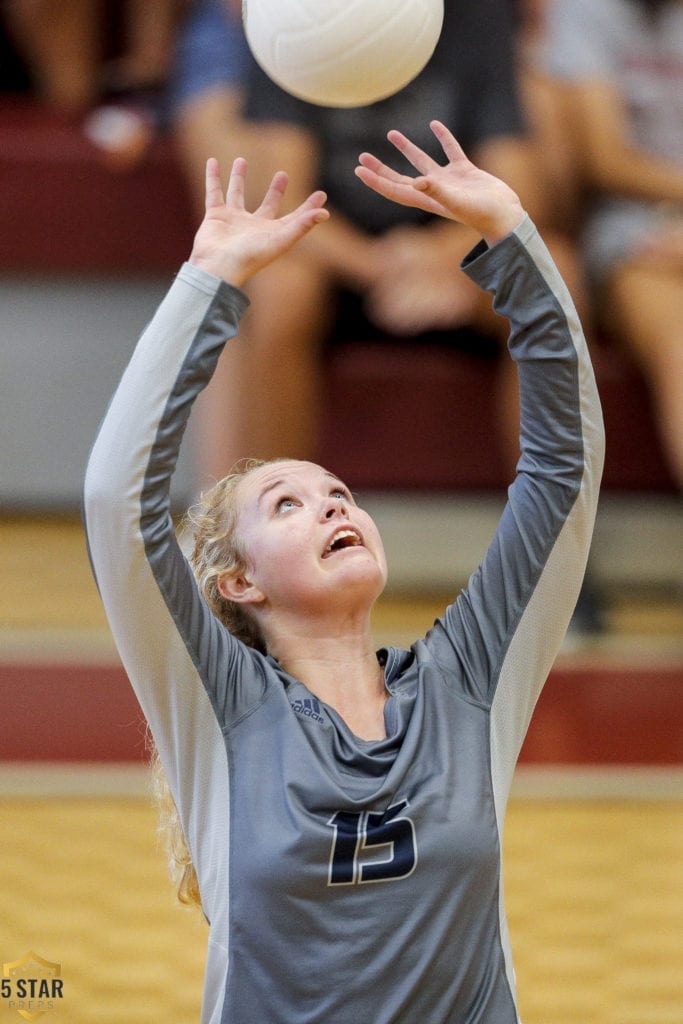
point(307, 542)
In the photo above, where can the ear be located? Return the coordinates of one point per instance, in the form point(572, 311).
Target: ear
point(239, 588)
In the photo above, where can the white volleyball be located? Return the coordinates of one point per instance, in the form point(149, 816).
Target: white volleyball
point(342, 53)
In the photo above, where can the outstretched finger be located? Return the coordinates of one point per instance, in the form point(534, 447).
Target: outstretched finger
point(272, 201)
point(307, 210)
point(214, 189)
point(420, 160)
point(375, 166)
point(400, 191)
point(450, 145)
point(300, 221)
point(234, 197)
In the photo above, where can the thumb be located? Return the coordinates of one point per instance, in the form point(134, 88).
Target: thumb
point(305, 221)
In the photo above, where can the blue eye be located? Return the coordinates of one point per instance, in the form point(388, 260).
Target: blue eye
point(285, 503)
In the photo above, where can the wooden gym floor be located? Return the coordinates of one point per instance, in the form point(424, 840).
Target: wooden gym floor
point(593, 856)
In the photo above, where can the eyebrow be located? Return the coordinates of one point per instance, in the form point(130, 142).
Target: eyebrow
point(280, 482)
point(267, 489)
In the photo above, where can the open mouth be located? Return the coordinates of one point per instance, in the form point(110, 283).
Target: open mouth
point(342, 539)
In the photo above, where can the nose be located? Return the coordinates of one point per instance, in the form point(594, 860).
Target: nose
point(335, 506)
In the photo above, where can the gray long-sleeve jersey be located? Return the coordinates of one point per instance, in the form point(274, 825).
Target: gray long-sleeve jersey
point(347, 880)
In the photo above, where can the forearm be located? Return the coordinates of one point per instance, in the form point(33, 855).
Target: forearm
point(613, 163)
point(630, 172)
point(136, 449)
point(561, 426)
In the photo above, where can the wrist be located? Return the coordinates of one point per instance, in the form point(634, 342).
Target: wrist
point(504, 225)
point(230, 271)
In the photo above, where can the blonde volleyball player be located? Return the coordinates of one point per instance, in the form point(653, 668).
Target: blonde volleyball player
point(343, 807)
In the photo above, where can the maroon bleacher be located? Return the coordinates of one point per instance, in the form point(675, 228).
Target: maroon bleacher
point(88, 713)
point(62, 211)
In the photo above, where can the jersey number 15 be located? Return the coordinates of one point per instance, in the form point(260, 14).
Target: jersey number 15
point(358, 834)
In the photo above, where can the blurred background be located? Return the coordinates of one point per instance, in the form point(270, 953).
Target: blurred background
point(107, 113)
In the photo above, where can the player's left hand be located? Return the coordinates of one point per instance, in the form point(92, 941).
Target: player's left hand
point(459, 191)
point(233, 243)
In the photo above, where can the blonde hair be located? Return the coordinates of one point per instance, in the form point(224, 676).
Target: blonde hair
point(216, 550)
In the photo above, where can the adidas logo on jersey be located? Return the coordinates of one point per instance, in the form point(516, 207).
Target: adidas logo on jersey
point(309, 707)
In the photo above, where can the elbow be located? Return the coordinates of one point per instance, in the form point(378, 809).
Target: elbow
point(98, 486)
point(594, 448)
point(593, 433)
point(105, 498)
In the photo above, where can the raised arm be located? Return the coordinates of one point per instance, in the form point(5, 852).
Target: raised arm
point(168, 640)
point(505, 630)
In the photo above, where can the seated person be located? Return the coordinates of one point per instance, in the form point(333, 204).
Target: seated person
point(623, 62)
point(400, 264)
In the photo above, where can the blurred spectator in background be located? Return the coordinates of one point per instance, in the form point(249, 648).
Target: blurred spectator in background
point(207, 86)
point(547, 105)
point(393, 268)
point(620, 63)
point(76, 68)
